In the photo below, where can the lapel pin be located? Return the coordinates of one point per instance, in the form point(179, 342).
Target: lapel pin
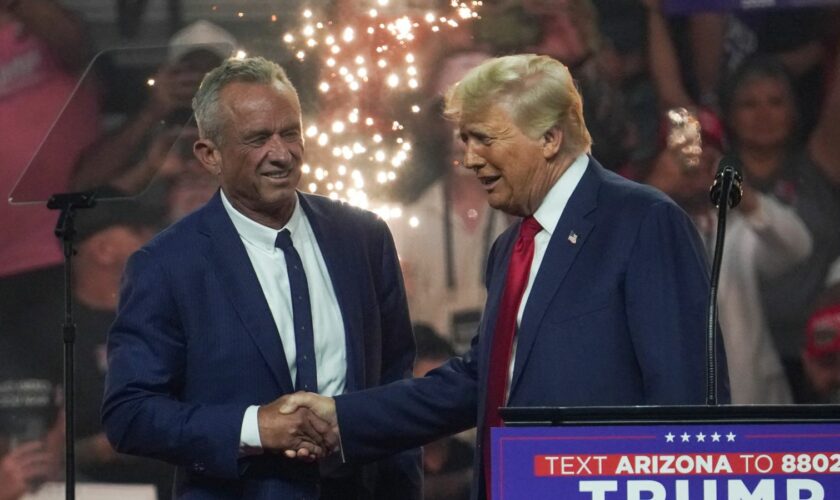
point(573, 238)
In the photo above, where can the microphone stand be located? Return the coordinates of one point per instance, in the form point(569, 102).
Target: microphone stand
point(725, 194)
point(65, 230)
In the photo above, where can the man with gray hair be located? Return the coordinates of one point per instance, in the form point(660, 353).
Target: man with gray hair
point(596, 298)
point(261, 292)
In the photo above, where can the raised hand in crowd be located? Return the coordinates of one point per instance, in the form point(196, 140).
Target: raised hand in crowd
point(32, 463)
point(21, 468)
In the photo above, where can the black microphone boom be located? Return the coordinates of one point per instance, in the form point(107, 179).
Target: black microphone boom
point(729, 168)
point(727, 186)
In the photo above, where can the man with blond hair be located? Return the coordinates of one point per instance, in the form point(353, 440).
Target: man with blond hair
point(597, 297)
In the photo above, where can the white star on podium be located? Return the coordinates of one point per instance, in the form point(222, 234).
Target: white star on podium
point(730, 437)
point(701, 438)
point(685, 437)
point(669, 438)
point(716, 437)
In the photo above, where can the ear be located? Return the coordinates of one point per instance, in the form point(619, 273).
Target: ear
point(209, 156)
point(552, 142)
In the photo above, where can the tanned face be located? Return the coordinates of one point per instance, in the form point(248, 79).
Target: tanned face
point(258, 161)
point(512, 167)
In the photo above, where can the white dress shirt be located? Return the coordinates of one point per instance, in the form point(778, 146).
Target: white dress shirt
point(548, 215)
point(269, 265)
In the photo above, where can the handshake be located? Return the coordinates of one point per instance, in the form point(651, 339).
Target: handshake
point(302, 425)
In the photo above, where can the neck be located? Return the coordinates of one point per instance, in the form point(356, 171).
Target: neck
point(553, 171)
point(274, 217)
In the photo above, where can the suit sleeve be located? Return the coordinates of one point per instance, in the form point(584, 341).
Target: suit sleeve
point(141, 413)
point(398, 476)
point(408, 412)
point(666, 294)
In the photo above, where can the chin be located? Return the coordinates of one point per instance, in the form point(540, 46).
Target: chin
point(508, 208)
point(497, 204)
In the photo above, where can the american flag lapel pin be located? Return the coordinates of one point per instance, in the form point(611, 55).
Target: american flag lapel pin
point(573, 238)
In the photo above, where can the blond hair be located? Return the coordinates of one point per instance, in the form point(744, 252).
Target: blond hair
point(537, 91)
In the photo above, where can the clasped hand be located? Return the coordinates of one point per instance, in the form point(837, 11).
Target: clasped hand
point(301, 425)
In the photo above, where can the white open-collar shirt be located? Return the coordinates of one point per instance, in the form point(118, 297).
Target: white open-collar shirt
point(269, 264)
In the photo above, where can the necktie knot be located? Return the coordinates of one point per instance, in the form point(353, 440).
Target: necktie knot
point(530, 228)
point(284, 240)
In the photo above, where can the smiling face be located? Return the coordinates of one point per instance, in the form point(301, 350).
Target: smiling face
point(515, 170)
point(259, 158)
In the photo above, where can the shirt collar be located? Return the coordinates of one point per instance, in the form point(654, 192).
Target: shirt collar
point(549, 212)
point(261, 236)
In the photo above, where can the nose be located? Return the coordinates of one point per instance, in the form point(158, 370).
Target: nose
point(472, 160)
point(278, 151)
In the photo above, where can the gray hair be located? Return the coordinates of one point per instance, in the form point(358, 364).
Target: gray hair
point(205, 104)
point(537, 91)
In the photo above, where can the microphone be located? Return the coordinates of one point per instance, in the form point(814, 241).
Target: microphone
point(729, 169)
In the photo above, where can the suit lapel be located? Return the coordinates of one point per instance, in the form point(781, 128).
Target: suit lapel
point(495, 289)
point(336, 245)
point(236, 274)
point(567, 240)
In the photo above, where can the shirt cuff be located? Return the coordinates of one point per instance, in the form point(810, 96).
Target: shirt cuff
point(249, 436)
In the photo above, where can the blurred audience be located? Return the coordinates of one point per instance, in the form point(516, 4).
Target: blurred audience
point(758, 106)
point(444, 256)
point(129, 157)
point(764, 238)
point(106, 236)
point(759, 110)
point(447, 463)
point(31, 424)
point(821, 355)
point(42, 52)
point(569, 33)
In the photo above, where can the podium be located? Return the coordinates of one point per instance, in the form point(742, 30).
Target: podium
point(668, 453)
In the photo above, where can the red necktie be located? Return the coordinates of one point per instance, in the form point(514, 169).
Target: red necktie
point(515, 283)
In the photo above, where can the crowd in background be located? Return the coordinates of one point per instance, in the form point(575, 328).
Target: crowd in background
point(764, 86)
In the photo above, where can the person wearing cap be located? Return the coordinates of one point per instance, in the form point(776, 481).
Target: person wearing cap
point(262, 291)
point(121, 158)
point(821, 355)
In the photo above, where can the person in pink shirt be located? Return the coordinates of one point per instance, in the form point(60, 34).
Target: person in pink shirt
point(42, 52)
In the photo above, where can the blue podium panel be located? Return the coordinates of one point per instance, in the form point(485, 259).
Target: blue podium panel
point(680, 461)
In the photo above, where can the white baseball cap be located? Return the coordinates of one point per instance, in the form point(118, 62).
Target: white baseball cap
point(201, 35)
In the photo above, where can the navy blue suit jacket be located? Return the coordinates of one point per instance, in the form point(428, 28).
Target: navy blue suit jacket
point(616, 317)
point(194, 345)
